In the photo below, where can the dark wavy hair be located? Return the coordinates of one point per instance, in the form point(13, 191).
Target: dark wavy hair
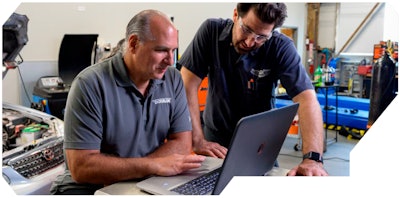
point(275, 13)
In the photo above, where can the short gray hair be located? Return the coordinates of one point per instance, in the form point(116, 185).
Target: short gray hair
point(140, 25)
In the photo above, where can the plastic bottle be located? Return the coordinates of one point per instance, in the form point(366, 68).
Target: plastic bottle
point(329, 75)
point(333, 75)
point(332, 65)
point(318, 76)
point(326, 76)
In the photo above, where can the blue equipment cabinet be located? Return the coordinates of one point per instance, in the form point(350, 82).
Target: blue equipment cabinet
point(50, 95)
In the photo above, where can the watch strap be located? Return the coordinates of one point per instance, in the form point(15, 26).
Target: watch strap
point(313, 156)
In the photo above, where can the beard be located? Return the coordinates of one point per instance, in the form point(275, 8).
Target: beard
point(241, 48)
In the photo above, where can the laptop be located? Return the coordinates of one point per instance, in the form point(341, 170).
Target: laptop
point(253, 150)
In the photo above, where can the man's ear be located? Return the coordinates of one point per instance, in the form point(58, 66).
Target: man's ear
point(133, 42)
point(235, 15)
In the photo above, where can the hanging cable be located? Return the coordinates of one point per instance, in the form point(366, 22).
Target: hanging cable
point(23, 84)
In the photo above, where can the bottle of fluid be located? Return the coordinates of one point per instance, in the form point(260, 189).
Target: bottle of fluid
point(332, 65)
point(328, 75)
point(318, 76)
point(333, 75)
point(325, 74)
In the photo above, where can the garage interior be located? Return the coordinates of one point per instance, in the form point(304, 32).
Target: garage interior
point(350, 51)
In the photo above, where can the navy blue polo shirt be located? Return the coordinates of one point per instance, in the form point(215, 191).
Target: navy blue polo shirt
point(106, 111)
point(241, 85)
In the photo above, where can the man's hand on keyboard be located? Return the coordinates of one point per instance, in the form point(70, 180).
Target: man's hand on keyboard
point(175, 164)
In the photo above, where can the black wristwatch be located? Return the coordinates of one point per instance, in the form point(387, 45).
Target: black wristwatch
point(313, 156)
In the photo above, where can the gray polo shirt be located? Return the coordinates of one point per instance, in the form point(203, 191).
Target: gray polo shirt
point(105, 111)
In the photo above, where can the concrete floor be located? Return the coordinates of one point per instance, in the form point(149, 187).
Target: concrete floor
point(336, 156)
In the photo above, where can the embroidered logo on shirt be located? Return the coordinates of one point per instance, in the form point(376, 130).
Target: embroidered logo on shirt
point(260, 73)
point(162, 100)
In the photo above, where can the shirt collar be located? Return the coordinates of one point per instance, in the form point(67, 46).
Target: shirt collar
point(226, 34)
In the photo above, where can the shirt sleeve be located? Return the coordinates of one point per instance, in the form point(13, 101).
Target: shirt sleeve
point(293, 75)
point(197, 56)
point(83, 126)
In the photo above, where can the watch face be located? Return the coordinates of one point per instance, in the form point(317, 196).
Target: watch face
point(313, 156)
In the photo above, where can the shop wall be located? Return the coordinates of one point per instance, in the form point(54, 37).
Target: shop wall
point(48, 22)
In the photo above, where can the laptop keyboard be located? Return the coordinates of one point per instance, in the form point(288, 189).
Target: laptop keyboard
point(199, 186)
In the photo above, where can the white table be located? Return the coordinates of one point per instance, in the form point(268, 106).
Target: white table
point(129, 187)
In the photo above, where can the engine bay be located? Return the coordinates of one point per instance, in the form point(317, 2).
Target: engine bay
point(19, 130)
point(32, 148)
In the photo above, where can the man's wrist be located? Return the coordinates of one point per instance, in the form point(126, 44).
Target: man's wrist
point(197, 141)
point(313, 156)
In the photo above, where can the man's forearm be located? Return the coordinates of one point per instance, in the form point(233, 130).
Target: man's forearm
point(192, 83)
point(178, 143)
point(97, 168)
point(310, 119)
